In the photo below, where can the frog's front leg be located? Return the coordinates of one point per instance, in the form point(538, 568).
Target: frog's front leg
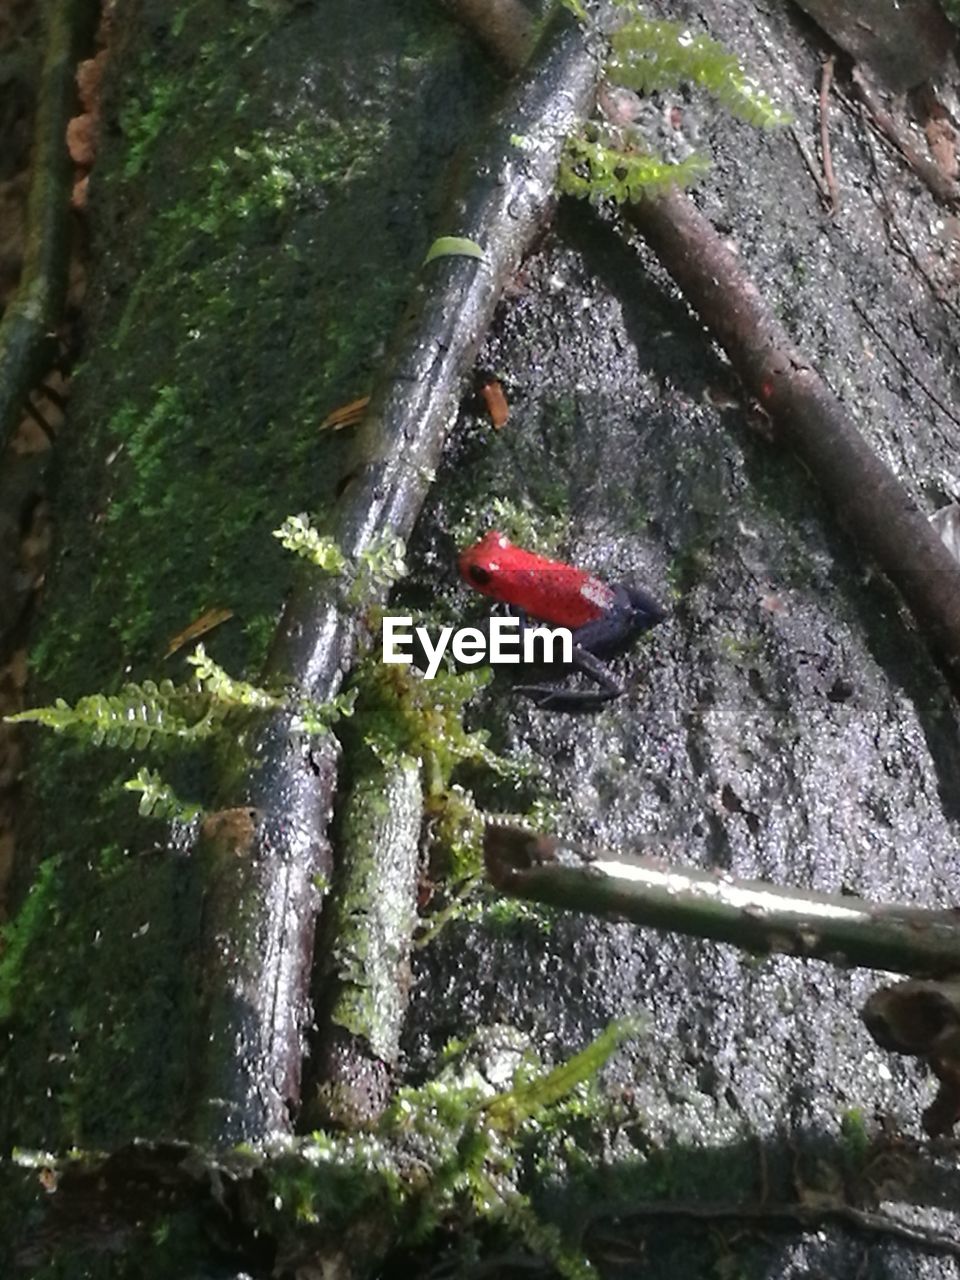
point(606, 633)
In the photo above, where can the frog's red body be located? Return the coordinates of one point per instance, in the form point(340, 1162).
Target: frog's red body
point(603, 619)
point(545, 589)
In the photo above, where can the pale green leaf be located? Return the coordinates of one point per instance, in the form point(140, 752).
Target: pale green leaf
point(454, 246)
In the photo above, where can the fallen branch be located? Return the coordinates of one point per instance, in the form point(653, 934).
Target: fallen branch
point(751, 914)
point(27, 330)
point(256, 974)
point(928, 171)
point(865, 493)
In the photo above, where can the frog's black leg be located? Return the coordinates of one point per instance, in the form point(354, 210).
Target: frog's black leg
point(553, 697)
point(631, 612)
point(604, 633)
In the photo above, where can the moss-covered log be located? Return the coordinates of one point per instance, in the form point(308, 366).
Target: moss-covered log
point(287, 780)
point(363, 975)
point(865, 494)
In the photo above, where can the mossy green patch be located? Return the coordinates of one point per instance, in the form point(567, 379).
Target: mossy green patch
point(261, 205)
point(87, 935)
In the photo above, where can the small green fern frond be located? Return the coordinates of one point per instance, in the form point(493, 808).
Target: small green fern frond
point(224, 690)
point(650, 55)
point(528, 1098)
point(159, 800)
point(135, 717)
point(298, 535)
point(594, 171)
point(544, 1239)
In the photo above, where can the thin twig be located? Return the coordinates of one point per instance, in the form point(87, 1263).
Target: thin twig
point(899, 241)
point(899, 360)
point(55, 397)
point(829, 177)
point(33, 412)
point(871, 500)
point(808, 160)
point(754, 915)
point(805, 1216)
point(27, 330)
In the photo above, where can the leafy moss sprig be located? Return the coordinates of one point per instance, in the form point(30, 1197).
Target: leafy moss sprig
point(149, 716)
point(650, 55)
point(604, 161)
point(534, 1092)
point(595, 170)
point(225, 692)
point(159, 800)
point(470, 1136)
point(138, 716)
point(298, 535)
point(379, 565)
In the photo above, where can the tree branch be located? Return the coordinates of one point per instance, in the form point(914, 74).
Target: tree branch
point(865, 494)
point(750, 914)
point(29, 323)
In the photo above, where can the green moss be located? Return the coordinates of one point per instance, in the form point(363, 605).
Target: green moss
point(142, 121)
point(37, 913)
point(399, 714)
point(69, 1022)
point(650, 55)
point(614, 162)
point(453, 1150)
point(856, 1140)
point(246, 295)
point(594, 170)
point(373, 912)
point(460, 1156)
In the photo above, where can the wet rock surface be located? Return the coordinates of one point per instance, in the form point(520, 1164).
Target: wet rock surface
point(786, 721)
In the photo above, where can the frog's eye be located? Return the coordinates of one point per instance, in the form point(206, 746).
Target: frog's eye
point(479, 575)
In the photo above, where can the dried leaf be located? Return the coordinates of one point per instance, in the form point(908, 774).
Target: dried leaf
point(206, 622)
point(348, 415)
point(496, 403)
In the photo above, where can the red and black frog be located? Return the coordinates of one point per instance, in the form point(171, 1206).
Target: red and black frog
point(604, 619)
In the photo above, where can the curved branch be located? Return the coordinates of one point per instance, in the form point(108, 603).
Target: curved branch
point(866, 495)
point(28, 324)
